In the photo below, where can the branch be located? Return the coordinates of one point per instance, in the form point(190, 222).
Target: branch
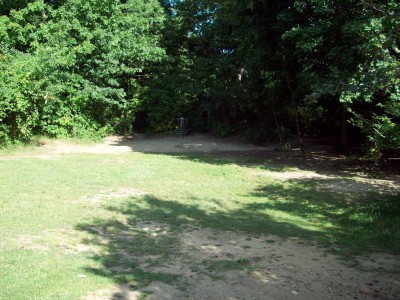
point(379, 133)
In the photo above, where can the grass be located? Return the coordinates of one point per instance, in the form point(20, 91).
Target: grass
point(49, 211)
point(239, 264)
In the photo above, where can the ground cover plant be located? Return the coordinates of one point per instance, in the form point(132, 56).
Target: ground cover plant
point(72, 225)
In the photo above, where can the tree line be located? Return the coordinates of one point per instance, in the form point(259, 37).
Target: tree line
point(264, 68)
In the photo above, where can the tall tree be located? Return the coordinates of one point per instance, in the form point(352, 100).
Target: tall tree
point(77, 65)
point(347, 52)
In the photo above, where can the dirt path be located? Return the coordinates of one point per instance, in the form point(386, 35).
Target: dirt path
point(197, 143)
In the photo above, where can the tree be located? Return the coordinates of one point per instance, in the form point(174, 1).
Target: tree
point(347, 51)
point(266, 68)
point(84, 60)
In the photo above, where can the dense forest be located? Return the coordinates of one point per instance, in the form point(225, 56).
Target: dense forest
point(265, 68)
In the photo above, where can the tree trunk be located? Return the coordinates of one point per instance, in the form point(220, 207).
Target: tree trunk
point(240, 76)
point(299, 135)
point(343, 128)
point(296, 107)
point(278, 128)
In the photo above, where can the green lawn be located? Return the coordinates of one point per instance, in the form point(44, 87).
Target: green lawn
point(52, 209)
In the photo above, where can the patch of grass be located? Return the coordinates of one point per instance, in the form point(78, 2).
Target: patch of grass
point(39, 141)
point(222, 265)
point(144, 295)
point(18, 148)
point(215, 277)
point(52, 231)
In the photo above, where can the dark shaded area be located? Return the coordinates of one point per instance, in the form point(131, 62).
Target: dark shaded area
point(321, 157)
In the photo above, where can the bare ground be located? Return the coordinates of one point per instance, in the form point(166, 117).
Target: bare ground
point(197, 143)
point(247, 267)
point(228, 265)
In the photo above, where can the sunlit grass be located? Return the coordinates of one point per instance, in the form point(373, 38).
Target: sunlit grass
point(50, 208)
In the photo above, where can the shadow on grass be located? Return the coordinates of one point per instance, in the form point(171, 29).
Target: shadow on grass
point(136, 236)
point(297, 210)
point(367, 221)
point(320, 157)
point(122, 246)
point(320, 210)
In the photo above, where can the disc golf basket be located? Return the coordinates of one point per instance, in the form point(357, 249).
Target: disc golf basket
point(181, 128)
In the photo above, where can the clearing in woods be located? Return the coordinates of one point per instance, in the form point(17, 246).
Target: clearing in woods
point(149, 218)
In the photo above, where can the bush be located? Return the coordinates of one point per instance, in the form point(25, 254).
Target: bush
point(221, 129)
point(383, 137)
point(256, 135)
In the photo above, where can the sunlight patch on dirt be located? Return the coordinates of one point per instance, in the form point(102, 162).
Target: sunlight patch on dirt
point(293, 175)
point(195, 143)
point(362, 185)
point(153, 229)
point(337, 183)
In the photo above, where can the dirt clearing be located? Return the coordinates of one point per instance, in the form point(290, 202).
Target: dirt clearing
point(227, 265)
point(196, 143)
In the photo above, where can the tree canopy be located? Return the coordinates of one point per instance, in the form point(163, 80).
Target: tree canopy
point(265, 68)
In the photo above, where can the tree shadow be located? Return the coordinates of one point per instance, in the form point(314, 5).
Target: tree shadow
point(321, 210)
point(145, 230)
point(320, 158)
point(121, 244)
point(364, 217)
point(267, 156)
point(130, 239)
point(323, 163)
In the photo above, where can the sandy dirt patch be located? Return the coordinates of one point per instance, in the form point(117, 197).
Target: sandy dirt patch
point(152, 144)
point(214, 264)
point(194, 143)
point(337, 182)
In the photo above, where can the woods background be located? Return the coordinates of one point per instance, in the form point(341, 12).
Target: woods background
point(267, 69)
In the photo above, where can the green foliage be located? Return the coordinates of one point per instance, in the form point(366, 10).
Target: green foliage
point(168, 97)
point(349, 50)
point(17, 87)
point(72, 69)
point(227, 66)
point(387, 134)
point(256, 135)
point(221, 129)
point(383, 133)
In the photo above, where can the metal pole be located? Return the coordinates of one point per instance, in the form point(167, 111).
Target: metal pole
point(181, 130)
